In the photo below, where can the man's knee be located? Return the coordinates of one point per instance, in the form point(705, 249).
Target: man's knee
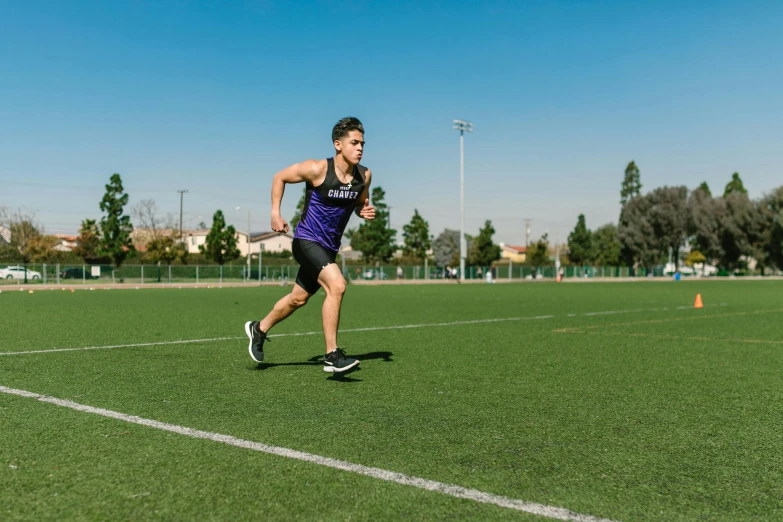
point(336, 288)
point(299, 299)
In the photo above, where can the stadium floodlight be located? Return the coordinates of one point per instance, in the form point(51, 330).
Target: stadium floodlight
point(462, 126)
point(248, 242)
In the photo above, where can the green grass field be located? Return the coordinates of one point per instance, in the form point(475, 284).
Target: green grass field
point(614, 400)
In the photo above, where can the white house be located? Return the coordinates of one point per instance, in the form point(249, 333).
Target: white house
point(66, 243)
point(259, 241)
point(194, 239)
point(266, 242)
point(517, 254)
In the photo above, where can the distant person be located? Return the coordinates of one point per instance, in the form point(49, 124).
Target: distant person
point(399, 272)
point(335, 187)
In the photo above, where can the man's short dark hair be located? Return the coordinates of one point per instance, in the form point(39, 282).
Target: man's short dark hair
point(346, 125)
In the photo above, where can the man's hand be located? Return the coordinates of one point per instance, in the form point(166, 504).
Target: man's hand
point(367, 211)
point(279, 224)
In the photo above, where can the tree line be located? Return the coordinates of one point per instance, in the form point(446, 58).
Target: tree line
point(109, 240)
point(727, 231)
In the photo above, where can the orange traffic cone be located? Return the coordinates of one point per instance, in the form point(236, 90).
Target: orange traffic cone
point(698, 303)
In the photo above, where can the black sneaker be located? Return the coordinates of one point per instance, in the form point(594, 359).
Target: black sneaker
point(336, 361)
point(257, 338)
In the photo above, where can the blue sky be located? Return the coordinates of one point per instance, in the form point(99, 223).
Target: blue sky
point(215, 97)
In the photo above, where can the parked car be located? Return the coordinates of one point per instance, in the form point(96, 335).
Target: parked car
point(17, 272)
point(76, 273)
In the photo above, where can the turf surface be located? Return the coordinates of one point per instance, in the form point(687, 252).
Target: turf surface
point(626, 403)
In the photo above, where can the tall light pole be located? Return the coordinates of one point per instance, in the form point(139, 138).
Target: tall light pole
point(181, 197)
point(248, 241)
point(462, 126)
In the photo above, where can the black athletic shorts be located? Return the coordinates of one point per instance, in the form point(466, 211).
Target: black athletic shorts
point(312, 258)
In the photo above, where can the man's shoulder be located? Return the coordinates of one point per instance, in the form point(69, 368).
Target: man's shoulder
point(317, 165)
point(365, 170)
point(311, 169)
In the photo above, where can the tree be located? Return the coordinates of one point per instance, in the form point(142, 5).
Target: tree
point(482, 250)
point(221, 242)
point(735, 186)
point(374, 238)
point(299, 210)
point(760, 234)
point(445, 247)
point(738, 230)
point(632, 184)
point(774, 204)
point(89, 242)
point(417, 237)
point(115, 227)
point(694, 257)
point(636, 233)
point(538, 252)
point(606, 246)
point(24, 233)
point(159, 234)
point(165, 249)
point(705, 188)
point(705, 217)
point(668, 216)
point(43, 249)
point(147, 216)
point(580, 243)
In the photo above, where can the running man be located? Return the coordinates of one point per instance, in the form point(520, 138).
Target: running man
point(335, 187)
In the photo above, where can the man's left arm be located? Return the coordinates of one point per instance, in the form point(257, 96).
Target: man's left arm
point(363, 208)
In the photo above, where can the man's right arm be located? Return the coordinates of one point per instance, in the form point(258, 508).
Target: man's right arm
point(309, 170)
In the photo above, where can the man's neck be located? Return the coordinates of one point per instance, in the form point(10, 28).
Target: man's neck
point(343, 164)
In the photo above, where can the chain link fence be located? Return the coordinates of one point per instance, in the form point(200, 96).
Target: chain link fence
point(73, 274)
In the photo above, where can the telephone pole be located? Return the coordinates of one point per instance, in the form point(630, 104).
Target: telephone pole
point(527, 231)
point(181, 197)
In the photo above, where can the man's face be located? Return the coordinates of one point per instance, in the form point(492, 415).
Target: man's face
point(351, 146)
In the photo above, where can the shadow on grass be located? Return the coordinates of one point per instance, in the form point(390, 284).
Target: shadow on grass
point(318, 360)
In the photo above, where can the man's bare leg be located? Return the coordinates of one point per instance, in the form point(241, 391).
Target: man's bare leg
point(333, 282)
point(285, 307)
point(256, 330)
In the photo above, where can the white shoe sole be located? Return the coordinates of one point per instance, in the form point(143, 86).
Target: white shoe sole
point(250, 345)
point(333, 369)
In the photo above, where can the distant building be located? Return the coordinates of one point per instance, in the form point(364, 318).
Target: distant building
point(517, 254)
point(259, 241)
point(66, 243)
point(266, 242)
point(5, 236)
point(349, 254)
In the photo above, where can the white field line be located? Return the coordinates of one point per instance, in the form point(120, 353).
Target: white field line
point(378, 473)
point(349, 330)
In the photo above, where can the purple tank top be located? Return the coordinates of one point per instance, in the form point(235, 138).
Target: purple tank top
point(328, 207)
